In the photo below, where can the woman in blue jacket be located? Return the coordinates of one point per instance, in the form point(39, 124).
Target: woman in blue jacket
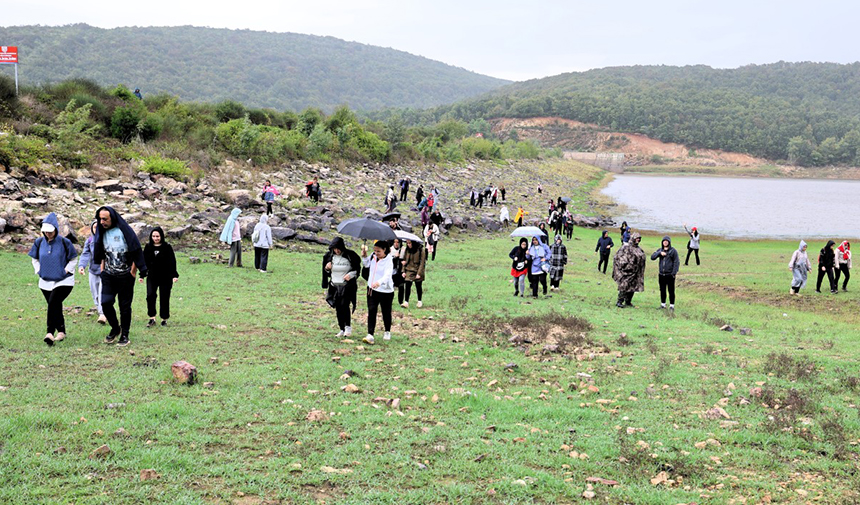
point(54, 262)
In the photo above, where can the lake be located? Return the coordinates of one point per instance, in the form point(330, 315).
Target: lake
point(789, 209)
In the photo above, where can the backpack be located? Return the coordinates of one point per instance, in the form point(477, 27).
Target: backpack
point(255, 237)
point(397, 274)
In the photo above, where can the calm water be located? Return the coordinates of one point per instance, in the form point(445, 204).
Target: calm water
point(739, 207)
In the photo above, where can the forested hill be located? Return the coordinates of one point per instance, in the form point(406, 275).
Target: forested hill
point(261, 69)
point(804, 113)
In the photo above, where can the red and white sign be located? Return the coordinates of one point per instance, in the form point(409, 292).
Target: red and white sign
point(8, 54)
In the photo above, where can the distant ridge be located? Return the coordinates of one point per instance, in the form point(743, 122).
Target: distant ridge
point(261, 69)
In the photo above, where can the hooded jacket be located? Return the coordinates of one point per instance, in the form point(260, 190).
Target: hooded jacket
point(227, 232)
point(160, 260)
point(414, 261)
point(53, 257)
point(827, 257)
point(604, 243)
point(628, 267)
point(539, 254)
point(264, 232)
point(800, 259)
point(843, 254)
point(670, 263)
point(518, 255)
point(558, 258)
point(350, 289)
point(134, 252)
point(86, 259)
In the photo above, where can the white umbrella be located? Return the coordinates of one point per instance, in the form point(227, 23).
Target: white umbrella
point(527, 231)
point(404, 235)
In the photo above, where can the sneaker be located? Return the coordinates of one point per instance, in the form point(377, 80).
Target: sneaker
point(405, 305)
point(420, 304)
point(348, 331)
point(123, 341)
point(386, 335)
point(49, 339)
point(151, 323)
point(619, 305)
point(164, 322)
point(60, 336)
point(368, 339)
point(818, 291)
point(339, 334)
point(102, 319)
point(662, 305)
point(516, 293)
point(111, 338)
point(671, 308)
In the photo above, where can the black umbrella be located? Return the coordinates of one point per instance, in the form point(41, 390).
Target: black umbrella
point(366, 228)
point(390, 216)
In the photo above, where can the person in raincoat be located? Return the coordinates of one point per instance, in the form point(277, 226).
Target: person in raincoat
point(800, 267)
point(539, 256)
point(521, 214)
point(557, 261)
point(232, 235)
point(628, 270)
point(262, 239)
point(843, 264)
point(504, 216)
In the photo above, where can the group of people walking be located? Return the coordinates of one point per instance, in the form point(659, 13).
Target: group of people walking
point(112, 258)
point(489, 195)
point(834, 263)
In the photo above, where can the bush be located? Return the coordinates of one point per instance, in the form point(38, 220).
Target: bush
point(20, 151)
point(308, 120)
point(123, 93)
point(170, 167)
point(263, 144)
point(229, 110)
point(480, 148)
point(8, 99)
point(133, 120)
point(320, 142)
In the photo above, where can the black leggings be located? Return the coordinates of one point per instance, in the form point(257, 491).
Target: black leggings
point(55, 298)
point(821, 273)
point(120, 289)
point(534, 280)
point(435, 248)
point(689, 251)
point(268, 208)
point(667, 282)
point(419, 290)
point(375, 300)
point(604, 260)
point(153, 286)
point(842, 270)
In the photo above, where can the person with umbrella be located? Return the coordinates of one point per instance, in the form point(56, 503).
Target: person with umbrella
point(393, 220)
point(340, 268)
point(378, 271)
point(628, 270)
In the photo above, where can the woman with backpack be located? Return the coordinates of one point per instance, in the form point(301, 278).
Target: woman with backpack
point(843, 264)
point(340, 269)
point(262, 239)
point(269, 194)
point(95, 271)
point(378, 271)
point(54, 262)
point(413, 262)
point(161, 261)
point(520, 266)
point(431, 238)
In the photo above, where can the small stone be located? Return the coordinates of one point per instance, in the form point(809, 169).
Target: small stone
point(148, 474)
point(726, 327)
point(60, 450)
point(745, 331)
point(588, 495)
point(120, 432)
point(351, 388)
point(184, 372)
point(101, 452)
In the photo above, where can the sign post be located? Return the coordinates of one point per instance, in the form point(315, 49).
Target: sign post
point(9, 56)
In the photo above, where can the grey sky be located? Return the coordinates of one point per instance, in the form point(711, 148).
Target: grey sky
point(513, 39)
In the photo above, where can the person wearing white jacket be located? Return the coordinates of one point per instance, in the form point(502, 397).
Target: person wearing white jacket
point(378, 269)
point(262, 238)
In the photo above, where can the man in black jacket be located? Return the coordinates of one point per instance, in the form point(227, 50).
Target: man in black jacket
point(669, 264)
point(117, 249)
point(604, 246)
point(826, 263)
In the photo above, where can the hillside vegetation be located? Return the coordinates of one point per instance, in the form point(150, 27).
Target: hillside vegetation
point(78, 123)
point(802, 113)
point(262, 69)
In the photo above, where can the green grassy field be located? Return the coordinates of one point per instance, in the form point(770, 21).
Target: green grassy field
point(624, 400)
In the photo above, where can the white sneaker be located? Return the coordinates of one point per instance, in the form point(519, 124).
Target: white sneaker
point(419, 304)
point(340, 333)
point(348, 331)
point(386, 335)
point(405, 305)
point(368, 339)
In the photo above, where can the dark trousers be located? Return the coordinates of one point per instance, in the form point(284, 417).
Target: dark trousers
point(343, 315)
point(153, 286)
point(375, 301)
point(604, 260)
point(419, 290)
point(520, 222)
point(120, 289)
point(667, 283)
point(404, 192)
point(268, 208)
point(503, 194)
point(435, 248)
point(401, 293)
point(535, 280)
point(493, 200)
point(842, 270)
point(690, 251)
point(55, 298)
point(261, 258)
point(821, 273)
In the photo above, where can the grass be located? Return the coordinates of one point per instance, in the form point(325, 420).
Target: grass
point(471, 427)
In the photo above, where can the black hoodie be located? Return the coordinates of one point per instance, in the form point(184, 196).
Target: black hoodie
point(670, 263)
point(827, 257)
point(161, 260)
point(351, 287)
point(134, 253)
point(604, 243)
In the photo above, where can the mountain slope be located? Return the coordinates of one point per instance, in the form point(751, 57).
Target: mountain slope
point(261, 69)
point(808, 113)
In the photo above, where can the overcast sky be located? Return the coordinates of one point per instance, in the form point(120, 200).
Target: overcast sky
point(515, 40)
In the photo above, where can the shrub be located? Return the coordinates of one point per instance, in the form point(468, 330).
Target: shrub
point(132, 120)
point(308, 120)
point(122, 93)
point(170, 167)
point(229, 110)
point(21, 151)
point(98, 109)
point(8, 99)
point(320, 142)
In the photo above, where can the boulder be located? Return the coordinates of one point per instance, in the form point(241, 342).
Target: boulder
point(492, 225)
point(109, 185)
point(311, 226)
point(239, 197)
point(313, 239)
point(184, 372)
point(151, 193)
point(142, 230)
point(83, 182)
point(282, 233)
point(248, 223)
point(35, 202)
point(16, 221)
point(179, 231)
